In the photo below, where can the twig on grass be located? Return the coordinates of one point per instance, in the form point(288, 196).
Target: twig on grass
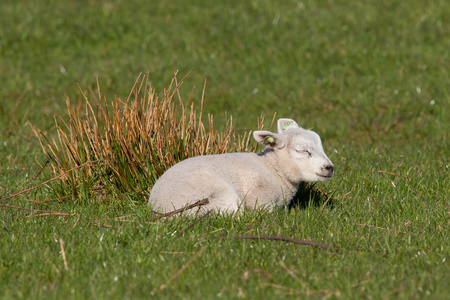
point(55, 213)
point(214, 231)
point(176, 252)
point(36, 201)
point(102, 225)
point(323, 192)
point(133, 221)
point(284, 239)
point(394, 291)
point(16, 207)
point(171, 213)
point(281, 287)
point(367, 179)
point(195, 222)
point(76, 222)
point(382, 228)
point(47, 212)
point(448, 205)
point(51, 179)
point(348, 193)
point(66, 266)
point(390, 173)
point(178, 273)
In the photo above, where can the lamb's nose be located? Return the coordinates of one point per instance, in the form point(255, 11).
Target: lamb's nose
point(329, 168)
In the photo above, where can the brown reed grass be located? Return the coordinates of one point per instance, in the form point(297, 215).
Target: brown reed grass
point(133, 141)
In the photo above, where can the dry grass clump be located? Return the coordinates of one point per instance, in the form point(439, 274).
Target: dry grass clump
point(132, 142)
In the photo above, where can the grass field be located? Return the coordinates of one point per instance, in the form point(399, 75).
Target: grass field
point(371, 77)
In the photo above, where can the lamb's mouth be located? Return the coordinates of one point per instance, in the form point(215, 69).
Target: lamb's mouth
point(324, 176)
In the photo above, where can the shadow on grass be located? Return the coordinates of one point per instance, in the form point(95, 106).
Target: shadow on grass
point(307, 196)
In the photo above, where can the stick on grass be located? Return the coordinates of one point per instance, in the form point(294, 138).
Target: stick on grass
point(195, 222)
point(51, 179)
point(66, 266)
point(47, 212)
point(171, 213)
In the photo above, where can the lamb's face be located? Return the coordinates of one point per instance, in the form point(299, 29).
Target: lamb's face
point(299, 152)
point(308, 158)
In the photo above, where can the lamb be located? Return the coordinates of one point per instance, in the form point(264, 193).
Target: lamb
point(235, 181)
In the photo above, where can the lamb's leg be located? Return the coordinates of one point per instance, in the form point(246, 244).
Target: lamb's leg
point(226, 203)
point(171, 193)
point(223, 200)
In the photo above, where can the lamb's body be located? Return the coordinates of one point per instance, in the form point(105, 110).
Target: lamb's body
point(226, 180)
point(246, 180)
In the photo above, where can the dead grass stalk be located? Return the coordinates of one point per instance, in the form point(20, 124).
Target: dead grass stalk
point(133, 141)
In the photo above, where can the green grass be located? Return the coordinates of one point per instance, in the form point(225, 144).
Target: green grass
point(371, 77)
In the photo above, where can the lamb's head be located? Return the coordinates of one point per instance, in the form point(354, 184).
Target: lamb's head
point(299, 152)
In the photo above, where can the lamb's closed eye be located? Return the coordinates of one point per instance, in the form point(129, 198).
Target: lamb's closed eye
point(304, 151)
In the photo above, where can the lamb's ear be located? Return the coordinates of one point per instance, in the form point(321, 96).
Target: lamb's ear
point(285, 124)
point(269, 139)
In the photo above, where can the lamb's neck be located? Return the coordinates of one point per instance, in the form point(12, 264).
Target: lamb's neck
point(289, 188)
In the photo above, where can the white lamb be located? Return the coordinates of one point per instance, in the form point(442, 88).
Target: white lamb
point(236, 181)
